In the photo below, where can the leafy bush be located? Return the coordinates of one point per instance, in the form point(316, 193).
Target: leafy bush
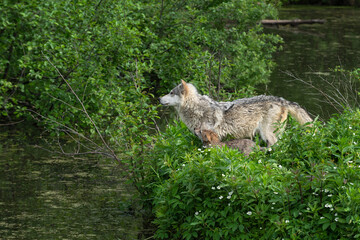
point(215, 44)
point(306, 186)
point(46, 42)
point(91, 70)
point(103, 48)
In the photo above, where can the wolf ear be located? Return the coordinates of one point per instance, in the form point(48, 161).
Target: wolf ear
point(185, 87)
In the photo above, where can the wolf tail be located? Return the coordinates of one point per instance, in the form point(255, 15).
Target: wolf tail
point(299, 113)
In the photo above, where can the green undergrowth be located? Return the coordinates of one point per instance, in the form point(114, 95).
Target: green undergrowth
point(305, 187)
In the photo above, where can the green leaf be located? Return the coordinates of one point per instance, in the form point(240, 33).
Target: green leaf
point(325, 226)
point(333, 226)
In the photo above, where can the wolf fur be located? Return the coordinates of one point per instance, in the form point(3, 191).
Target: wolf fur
point(210, 138)
point(242, 118)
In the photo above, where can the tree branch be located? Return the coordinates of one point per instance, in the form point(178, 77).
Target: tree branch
point(85, 112)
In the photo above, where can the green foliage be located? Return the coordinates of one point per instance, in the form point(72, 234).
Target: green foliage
point(305, 187)
point(210, 43)
point(103, 48)
point(91, 69)
point(77, 39)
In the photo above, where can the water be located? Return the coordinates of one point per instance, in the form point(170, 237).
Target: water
point(310, 51)
point(44, 196)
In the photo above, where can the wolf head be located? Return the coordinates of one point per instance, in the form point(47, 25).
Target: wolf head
point(178, 94)
point(210, 137)
point(207, 137)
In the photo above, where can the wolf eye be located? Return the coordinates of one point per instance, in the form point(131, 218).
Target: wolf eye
point(171, 93)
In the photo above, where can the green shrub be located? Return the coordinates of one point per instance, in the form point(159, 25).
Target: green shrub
point(90, 70)
point(305, 187)
point(103, 48)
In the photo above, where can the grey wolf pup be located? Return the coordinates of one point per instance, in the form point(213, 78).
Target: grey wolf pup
point(210, 138)
point(242, 118)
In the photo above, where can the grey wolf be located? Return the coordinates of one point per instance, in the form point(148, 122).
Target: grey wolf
point(210, 138)
point(242, 118)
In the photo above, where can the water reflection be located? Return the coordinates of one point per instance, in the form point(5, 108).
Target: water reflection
point(310, 51)
point(51, 197)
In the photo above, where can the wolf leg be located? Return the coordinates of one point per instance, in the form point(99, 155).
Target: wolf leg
point(268, 135)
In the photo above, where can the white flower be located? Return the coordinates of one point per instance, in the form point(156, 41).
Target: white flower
point(355, 143)
point(199, 149)
point(221, 197)
point(259, 161)
point(183, 165)
point(213, 188)
point(287, 221)
point(334, 167)
point(336, 219)
point(280, 166)
point(223, 175)
point(228, 197)
point(276, 193)
point(328, 205)
point(326, 190)
point(196, 213)
point(218, 187)
point(272, 207)
point(330, 195)
point(321, 217)
point(331, 209)
point(249, 213)
point(335, 214)
point(350, 127)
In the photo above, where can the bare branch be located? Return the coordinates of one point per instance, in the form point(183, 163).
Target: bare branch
point(65, 127)
point(327, 96)
point(12, 123)
point(62, 101)
point(339, 93)
point(85, 112)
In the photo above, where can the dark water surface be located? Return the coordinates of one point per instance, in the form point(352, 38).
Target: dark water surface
point(44, 196)
point(310, 51)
